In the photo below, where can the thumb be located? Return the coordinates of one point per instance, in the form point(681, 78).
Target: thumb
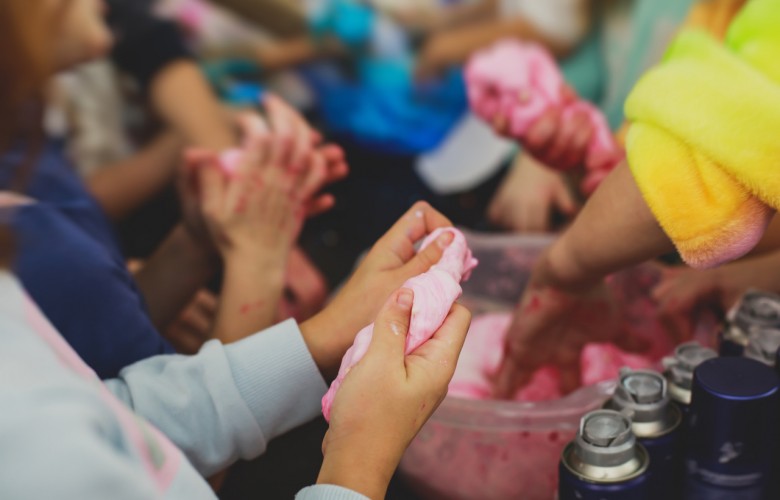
point(429, 255)
point(391, 327)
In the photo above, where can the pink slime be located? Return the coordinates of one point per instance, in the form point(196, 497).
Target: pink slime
point(520, 81)
point(484, 350)
point(434, 293)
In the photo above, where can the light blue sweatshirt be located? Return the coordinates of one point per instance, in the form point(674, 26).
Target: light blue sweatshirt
point(66, 435)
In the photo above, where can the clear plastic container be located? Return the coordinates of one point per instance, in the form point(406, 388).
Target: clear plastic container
point(485, 450)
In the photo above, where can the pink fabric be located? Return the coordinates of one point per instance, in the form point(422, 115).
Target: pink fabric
point(484, 349)
point(434, 293)
point(520, 81)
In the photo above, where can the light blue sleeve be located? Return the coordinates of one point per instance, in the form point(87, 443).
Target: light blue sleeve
point(57, 446)
point(328, 492)
point(227, 402)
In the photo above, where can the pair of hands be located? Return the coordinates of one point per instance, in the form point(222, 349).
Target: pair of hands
point(261, 206)
point(368, 434)
point(552, 327)
point(560, 144)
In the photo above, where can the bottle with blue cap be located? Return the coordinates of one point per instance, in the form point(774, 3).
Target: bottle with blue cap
point(732, 430)
point(604, 462)
point(643, 396)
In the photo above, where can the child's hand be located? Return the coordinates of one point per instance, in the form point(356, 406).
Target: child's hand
point(682, 293)
point(552, 327)
point(195, 324)
point(307, 147)
point(529, 196)
point(558, 143)
point(387, 397)
point(258, 208)
point(387, 266)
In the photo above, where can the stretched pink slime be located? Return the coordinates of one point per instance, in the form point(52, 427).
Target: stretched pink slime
point(520, 82)
point(435, 291)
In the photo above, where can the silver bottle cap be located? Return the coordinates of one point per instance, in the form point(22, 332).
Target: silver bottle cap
point(605, 449)
point(756, 309)
point(643, 396)
point(763, 344)
point(678, 369)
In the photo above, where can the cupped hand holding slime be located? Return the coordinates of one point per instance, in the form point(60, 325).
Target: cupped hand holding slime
point(513, 85)
point(435, 291)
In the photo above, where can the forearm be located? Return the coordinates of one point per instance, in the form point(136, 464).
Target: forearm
point(468, 13)
point(172, 276)
point(287, 53)
point(762, 272)
point(461, 43)
point(182, 97)
point(615, 230)
point(122, 187)
point(287, 18)
point(251, 293)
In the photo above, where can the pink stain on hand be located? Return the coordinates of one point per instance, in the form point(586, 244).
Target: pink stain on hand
point(242, 205)
point(516, 83)
point(435, 291)
point(251, 306)
point(534, 305)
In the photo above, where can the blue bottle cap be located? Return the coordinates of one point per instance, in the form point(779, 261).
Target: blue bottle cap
point(733, 418)
point(735, 379)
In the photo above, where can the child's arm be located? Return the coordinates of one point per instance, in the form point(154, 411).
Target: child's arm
point(683, 291)
point(432, 19)
point(122, 187)
point(184, 100)
point(454, 47)
point(614, 230)
point(527, 22)
point(287, 53)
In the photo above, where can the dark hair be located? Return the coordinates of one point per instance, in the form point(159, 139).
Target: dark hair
point(25, 29)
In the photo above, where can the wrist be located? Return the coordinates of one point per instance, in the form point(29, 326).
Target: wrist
point(359, 469)
point(561, 269)
point(327, 337)
point(255, 265)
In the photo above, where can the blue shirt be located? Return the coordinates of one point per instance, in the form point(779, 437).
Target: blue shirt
point(70, 262)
